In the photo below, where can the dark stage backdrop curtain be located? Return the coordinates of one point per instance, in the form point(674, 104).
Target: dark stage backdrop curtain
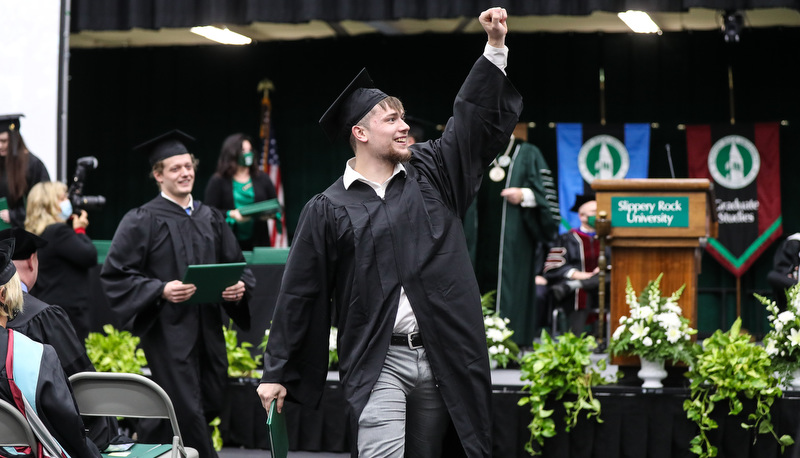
point(155, 14)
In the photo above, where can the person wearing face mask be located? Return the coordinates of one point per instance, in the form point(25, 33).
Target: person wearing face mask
point(65, 261)
point(238, 181)
point(571, 267)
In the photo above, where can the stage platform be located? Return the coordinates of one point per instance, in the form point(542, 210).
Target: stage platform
point(637, 423)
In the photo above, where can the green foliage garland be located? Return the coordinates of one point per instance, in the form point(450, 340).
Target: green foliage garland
point(554, 369)
point(728, 368)
point(116, 351)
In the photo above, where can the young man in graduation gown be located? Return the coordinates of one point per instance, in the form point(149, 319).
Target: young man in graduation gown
point(509, 227)
point(150, 251)
point(49, 324)
point(35, 371)
point(381, 255)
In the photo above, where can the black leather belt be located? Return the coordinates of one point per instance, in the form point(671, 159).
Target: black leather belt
point(413, 340)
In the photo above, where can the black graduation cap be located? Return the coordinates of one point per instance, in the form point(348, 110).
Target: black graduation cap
point(25, 243)
point(10, 122)
point(166, 145)
point(581, 199)
point(7, 269)
point(358, 98)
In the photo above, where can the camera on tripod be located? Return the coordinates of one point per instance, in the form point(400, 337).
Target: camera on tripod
point(75, 191)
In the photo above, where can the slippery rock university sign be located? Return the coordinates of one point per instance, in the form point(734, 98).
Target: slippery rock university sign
point(743, 162)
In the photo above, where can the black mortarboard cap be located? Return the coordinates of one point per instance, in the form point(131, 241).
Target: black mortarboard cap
point(25, 243)
point(358, 98)
point(7, 269)
point(10, 122)
point(581, 199)
point(165, 145)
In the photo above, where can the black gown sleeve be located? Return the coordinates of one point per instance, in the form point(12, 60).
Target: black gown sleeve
point(297, 350)
point(56, 407)
point(129, 288)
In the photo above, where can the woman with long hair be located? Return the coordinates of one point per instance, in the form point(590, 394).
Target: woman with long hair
point(237, 182)
point(65, 261)
point(19, 170)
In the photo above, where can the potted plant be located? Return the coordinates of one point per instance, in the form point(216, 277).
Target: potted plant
point(553, 370)
point(240, 361)
point(782, 342)
point(502, 350)
point(655, 330)
point(729, 368)
point(116, 351)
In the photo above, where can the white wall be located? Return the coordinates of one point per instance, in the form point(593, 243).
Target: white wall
point(29, 32)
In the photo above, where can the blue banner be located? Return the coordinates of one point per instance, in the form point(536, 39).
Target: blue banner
point(588, 152)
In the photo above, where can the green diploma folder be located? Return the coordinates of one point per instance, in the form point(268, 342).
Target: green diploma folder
point(4, 206)
point(278, 437)
point(265, 207)
point(211, 280)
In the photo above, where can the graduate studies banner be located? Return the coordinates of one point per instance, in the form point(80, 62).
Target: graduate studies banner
point(589, 152)
point(743, 162)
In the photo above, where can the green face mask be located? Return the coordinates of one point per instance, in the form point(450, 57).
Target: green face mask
point(246, 159)
point(590, 220)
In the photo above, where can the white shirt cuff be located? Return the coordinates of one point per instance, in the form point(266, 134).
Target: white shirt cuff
point(528, 199)
point(497, 56)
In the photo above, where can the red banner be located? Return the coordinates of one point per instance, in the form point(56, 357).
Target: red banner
point(743, 162)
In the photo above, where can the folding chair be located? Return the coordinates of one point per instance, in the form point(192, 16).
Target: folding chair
point(14, 428)
point(127, 395)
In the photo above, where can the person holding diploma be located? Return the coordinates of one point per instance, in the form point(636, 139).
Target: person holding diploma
point(381, 255)
point(149, 254)
point(238, 182)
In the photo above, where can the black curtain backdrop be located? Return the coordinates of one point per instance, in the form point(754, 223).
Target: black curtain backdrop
point(120, 97)
point(155, 14)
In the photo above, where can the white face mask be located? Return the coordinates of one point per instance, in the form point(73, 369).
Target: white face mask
point(66, 209)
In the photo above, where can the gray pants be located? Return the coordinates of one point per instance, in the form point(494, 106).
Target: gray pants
point(405, 414)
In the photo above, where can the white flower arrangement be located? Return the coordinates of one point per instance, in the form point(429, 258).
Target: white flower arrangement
point(502, 349)
point(782, 342)
point(655, 328)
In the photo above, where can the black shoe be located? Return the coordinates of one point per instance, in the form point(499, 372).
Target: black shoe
point(560, 291)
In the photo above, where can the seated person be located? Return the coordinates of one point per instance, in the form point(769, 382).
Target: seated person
point(50, 324)
point(33, 369)
point(571, 268)
point(784, 268)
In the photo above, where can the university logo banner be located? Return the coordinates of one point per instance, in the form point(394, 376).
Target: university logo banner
point(743, 162)
point(589, 152)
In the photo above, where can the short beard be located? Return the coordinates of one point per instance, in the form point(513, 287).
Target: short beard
point(396, 157)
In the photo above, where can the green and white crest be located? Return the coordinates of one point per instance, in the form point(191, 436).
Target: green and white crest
point(734, 162)
point(603, 157)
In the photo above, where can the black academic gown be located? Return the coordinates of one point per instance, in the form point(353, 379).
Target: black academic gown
point(36, 173)
point(354, 250)
point(55, 404)
point(183, 343)
point(49, 324)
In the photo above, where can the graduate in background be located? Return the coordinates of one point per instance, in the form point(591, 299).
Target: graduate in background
point(381, 255)
point(148, 256)
point(19, 170)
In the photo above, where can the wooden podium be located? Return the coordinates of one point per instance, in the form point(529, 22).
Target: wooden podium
point(656, 226)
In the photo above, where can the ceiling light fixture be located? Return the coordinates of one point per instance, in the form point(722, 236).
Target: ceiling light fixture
point(639, 22)
point(224, 36)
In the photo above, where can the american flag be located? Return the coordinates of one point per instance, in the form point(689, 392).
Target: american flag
point(272, 166)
